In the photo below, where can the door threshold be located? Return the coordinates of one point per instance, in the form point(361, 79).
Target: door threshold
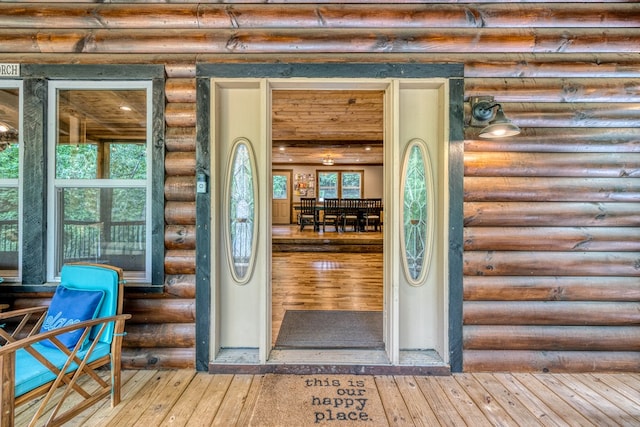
point(324, 361)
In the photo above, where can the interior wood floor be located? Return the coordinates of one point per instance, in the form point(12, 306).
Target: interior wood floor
point(186, 398)
point(324, 280)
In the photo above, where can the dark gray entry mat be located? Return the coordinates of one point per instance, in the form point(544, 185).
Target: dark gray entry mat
point(331, 329)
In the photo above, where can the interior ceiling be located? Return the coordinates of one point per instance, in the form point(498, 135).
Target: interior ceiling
point(307, 125)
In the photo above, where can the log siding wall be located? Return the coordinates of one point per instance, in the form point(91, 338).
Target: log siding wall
point(552, 217)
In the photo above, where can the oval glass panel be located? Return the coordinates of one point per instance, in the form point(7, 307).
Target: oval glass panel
point(241, 214)
point(417, 210)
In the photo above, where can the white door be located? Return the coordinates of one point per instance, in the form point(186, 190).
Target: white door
point(415, 283)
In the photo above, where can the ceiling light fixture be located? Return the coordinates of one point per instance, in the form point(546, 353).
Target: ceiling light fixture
point(482, 111)
point(327, 161)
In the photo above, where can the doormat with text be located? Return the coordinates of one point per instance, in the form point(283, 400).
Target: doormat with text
point(318, 400)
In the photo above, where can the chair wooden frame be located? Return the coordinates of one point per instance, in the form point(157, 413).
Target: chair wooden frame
point(80, 363)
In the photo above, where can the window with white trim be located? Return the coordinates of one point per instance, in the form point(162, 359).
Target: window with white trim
point(10, 172)
point(99, 175)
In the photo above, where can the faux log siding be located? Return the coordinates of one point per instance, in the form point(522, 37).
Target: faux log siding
point(551, 216)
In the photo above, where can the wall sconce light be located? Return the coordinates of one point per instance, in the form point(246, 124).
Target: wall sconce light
point(482, 111)
point(327, 161)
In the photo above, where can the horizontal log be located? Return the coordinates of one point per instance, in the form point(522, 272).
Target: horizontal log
point(180, 163)
point(180, 261)
point(180, 188)
point(516, 189)
point(180, 237)
point(552, 140)
point(180, 114)
point(160, 310)
point(549, 338)
point(441, 40)
point(593, 165)
point(180, 285)
point(158, 358)
point(175, 69)
point(489, 65)
point(551, 288)
point(559, 214)
point(180, 90)
point(554, 89)
point(551, 313)
point(550, 361)
point(211, 16)
point(180, 139)
point(180, 213)
point(159, 336)
point(574, 114)
point(552, 239)
point(510, 263)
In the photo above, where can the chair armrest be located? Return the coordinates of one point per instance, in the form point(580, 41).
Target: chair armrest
point(52, 334)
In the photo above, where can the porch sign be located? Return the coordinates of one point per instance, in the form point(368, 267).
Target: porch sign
point(9, 70)
point(318, 400)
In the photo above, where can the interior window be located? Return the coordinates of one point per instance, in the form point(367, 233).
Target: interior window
point(10, 166)
point(339, 184)
point(100, 176)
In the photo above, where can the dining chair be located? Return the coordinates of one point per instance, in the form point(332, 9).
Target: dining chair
point(332, 214)
point(308, 213)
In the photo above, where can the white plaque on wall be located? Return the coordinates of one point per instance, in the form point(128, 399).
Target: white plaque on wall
point(9, 70)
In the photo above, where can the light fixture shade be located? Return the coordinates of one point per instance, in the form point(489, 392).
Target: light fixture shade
point(327, 161)
point(500, 126)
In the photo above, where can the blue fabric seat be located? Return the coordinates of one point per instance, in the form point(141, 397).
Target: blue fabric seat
point(35, 362)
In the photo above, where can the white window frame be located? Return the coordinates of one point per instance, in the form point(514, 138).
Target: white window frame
point(54, 184)
point(17, 182)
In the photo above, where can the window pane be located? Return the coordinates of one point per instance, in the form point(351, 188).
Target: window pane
point(9, 128)
point(415, 213)
point(241, 211)
point(327, 185)
point(9, 236)
point(101, 134)
point(9, 183)
point(351, 185)
point(103, 225)
point(279, 187)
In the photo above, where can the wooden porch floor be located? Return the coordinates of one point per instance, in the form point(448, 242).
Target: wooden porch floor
point(186, 398)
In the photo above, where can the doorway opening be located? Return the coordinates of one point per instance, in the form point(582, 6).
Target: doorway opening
point(327, 288)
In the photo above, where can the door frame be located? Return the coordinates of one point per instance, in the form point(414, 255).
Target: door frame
point(204, 274)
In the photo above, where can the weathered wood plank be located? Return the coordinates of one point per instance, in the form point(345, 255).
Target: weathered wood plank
point(559, 214)
point(212, 16)
point(517, 189)
point(568, 338)
point(592, 239)
point(180, 188)
point(563, 410)
point(486, 402)
point(394, 407)
point(165, 399)
point(465, 406)
point(230, 409)
point(595, 165)
point(554, 288)
point(206, 409)
point(180, 163)
point(551, 313)
point(420, 410)
point(309, 41)
point(550, 361)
